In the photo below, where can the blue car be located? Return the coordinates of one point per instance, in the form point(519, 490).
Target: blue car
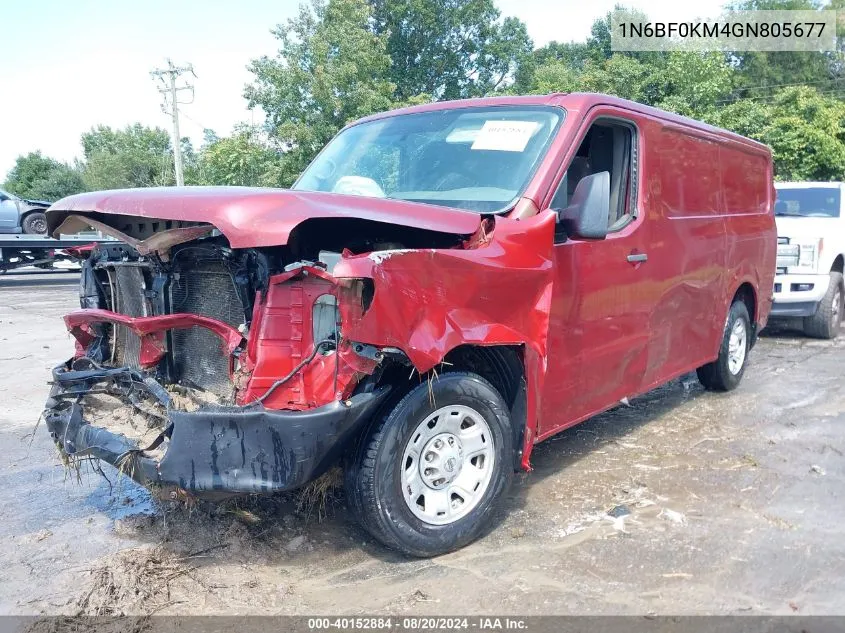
point(18, 215)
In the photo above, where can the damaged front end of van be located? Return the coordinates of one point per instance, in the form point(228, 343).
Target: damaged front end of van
point(239, 340)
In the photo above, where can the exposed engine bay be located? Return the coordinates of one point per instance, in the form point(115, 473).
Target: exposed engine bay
point(200, 326)
point(267, 296)
point(239, 340)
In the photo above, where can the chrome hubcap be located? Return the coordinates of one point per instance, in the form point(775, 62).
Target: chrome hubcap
point(737, 347)
point(447, 465)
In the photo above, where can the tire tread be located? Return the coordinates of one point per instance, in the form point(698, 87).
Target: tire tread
point(819, 325)
point(361, 484)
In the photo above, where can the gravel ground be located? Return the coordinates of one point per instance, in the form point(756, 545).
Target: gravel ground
point(685, 502)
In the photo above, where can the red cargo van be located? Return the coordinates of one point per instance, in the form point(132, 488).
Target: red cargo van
point(445, 286)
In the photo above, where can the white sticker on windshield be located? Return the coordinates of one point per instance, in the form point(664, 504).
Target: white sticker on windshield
point(505, 136)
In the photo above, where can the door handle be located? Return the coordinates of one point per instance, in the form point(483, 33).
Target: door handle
point(636, 258)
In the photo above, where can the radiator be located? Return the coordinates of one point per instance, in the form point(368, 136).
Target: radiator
point(129, 300)
point(199, 358)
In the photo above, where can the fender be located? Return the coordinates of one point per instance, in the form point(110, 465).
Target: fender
point(426, 302)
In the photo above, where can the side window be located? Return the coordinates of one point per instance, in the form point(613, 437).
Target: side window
point(608, 146)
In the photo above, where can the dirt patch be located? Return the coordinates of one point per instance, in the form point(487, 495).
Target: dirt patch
point(684, 502)
point(109, 412)
point(134, 581)
point(185, 399)
point(142, 420)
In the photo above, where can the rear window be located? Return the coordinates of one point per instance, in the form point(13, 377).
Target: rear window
point(809, 202)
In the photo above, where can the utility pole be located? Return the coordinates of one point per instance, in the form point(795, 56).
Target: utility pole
point(168, 79)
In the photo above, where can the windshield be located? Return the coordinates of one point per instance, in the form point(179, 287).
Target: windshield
point(479, 159)
point(810, 202)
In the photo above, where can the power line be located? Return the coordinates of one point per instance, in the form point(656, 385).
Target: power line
point(736, 98)
point(796, 83)
point(195, 122)
point(767, 99)
point(168, 77)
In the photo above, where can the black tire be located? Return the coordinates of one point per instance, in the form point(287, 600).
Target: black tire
point(717, 376)
point(35, 223)
point(827, 320)
point(373, 474)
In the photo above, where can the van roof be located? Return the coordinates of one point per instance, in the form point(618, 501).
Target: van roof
point(808, 184)
point(572, 102)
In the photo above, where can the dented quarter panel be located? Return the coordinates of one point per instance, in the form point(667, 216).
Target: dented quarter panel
point(427, 302)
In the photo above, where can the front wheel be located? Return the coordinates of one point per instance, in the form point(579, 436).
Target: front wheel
point(426, 477)
point(827, 320)
point(724, 373)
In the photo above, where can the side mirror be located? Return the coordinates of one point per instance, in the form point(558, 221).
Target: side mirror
point(586, 215)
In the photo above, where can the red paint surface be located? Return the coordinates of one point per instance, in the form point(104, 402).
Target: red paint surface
point(618, 329)
point(428, 302)
point(282, 336)
point(594, 328)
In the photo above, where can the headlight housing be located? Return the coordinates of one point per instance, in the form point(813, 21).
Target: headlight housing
point(788, 254)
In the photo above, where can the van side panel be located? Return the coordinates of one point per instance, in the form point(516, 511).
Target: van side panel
point(619, 327)
point(687, 249)
point(751, 247)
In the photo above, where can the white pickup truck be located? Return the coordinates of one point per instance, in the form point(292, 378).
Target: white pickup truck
point(811, 249)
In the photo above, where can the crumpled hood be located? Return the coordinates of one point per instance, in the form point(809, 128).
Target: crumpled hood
point(253, 217)
point(36, 203)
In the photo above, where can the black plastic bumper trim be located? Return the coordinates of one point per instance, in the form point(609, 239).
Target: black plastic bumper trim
point(226, 449)
point(802, 309)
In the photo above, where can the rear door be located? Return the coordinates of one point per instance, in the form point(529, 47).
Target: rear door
point(603, 291)
point(688, 251)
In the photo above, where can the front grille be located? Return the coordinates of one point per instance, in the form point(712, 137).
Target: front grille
point(129, 300)
point(199, 359)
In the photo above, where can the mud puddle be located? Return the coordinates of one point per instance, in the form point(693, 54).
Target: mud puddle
point(684, 502)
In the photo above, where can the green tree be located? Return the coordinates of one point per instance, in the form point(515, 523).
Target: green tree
point(694, 84)
point(761, 73)
point(330, 70)
point(136, 156)
point(804, 128)
point(241, 159)
point(449, 49)
point(624, 77)
point(555, 59)
point(807, 135)
point(38, 177)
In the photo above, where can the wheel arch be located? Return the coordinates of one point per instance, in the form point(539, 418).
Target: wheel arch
point(838, 265)
point(503, 366)
point(748, 295)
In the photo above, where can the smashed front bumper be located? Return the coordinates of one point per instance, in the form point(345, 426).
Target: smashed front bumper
point(216, 449)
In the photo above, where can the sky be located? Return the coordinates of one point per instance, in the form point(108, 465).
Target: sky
point(68, 66)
